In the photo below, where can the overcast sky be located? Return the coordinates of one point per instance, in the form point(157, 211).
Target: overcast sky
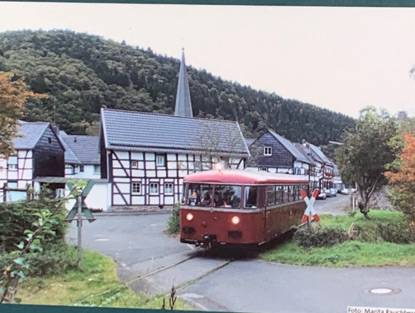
point(338, 58)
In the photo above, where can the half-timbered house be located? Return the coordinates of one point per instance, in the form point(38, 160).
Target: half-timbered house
point(38, 153)
point(146, 156)
point(82, 159)
point(324, 170)
point(273, 153)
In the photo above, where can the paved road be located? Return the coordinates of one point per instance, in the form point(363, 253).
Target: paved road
point(152, 262)
point(334, 205)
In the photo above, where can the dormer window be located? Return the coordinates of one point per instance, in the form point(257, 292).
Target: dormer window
point(267, 151)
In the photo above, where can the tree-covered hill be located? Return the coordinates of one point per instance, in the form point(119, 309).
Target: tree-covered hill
point(82, 73)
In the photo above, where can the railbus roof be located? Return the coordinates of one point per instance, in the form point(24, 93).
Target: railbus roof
point(243, 177)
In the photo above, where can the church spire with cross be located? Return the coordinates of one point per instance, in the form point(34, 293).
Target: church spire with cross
point(183, 102)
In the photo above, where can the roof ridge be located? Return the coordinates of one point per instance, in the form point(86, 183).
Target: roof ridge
point(168, 115)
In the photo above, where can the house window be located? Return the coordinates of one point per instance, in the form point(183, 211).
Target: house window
point(136, 188)
point(12, 184)
point(168, 188)
point(134, 164)
point(12, 163)
point(69, 169)
point(60, 193)
point(154, 188)
point(267, 151)
point(198, 165)
point(81, 168)
point(97, 169)
point(160, 160)
point(264, 169)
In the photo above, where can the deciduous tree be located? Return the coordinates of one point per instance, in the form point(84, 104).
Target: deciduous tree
point(365, 152)
point(403, 179)
point(13, 95)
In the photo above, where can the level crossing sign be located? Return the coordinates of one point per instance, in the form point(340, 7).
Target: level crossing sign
point(80, 202)
point(310, 205)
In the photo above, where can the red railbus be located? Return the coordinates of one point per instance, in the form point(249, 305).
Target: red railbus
point(235, 207)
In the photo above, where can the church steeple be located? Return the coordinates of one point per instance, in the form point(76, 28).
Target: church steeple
point(183, 102)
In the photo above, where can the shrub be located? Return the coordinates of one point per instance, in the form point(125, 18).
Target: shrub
point(173, 226)
point(20, 216)
point(55, 258)
point(399, 233)
point(319, 236)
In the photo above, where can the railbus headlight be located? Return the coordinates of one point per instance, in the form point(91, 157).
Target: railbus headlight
point(235, 220)
point(189, 216)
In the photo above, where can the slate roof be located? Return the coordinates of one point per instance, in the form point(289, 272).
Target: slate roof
point(82, 149)
point(30, 133)
point(70, 157)
point(136, 131)
point(290, 147)
point(300, 148)
point(320, 154)
point(249, 141)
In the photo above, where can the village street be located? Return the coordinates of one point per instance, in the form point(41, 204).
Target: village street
point(152, 263)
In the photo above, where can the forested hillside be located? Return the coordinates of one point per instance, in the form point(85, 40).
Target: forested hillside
point(82, 73)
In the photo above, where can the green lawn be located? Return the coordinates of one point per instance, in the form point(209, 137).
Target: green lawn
point(374, 252)
point(94, 284)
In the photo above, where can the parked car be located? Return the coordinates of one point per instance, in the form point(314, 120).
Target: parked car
point(321, 196)
point(333, 192)
point(345, 191)
point(327, 192)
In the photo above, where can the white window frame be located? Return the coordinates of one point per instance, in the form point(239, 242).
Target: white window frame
point(134, 164)
point(69, 169)
point(139, 188)
point(160, 157)
point(168, 188)
point(11, 165)
point(153, 188)
point(267, 151)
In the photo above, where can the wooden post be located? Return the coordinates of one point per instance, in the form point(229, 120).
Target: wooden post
point(79, 230)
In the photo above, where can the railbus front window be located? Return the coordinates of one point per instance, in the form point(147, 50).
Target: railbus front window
point(199, 195)
point(251, 197)
point(227, 196)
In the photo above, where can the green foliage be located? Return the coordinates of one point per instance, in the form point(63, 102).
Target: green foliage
point(319, 236)
point(173, 225)
point(21, 218)
point(95, 283)
point(385, 239)
point(55, 258)
point(366, 151)
point(346, 254)
point(83, 73)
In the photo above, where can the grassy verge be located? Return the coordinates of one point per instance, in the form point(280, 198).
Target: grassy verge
point(94, 284)
point(376, 216)
point(372, 250)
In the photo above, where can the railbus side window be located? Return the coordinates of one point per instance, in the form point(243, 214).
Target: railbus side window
point(199, 195)
point(271, 195)
point(251, 197)
point(280, 195)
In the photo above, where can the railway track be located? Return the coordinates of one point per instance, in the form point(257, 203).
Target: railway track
point(178, 274)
